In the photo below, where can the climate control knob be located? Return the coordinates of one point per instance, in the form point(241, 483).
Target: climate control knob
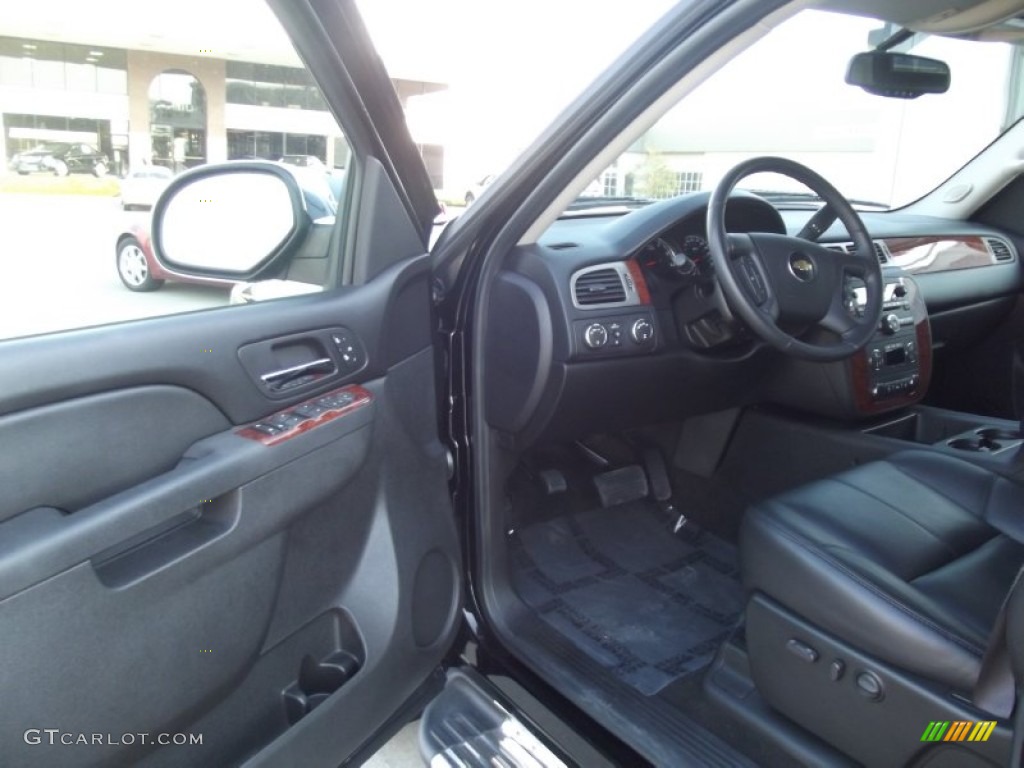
point(642, 331)
point(891, 323)
point(595, 336)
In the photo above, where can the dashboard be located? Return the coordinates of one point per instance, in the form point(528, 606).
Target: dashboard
point(612, 321)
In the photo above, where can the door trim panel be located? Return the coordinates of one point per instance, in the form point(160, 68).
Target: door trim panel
point(199, 350)
point(40, 543)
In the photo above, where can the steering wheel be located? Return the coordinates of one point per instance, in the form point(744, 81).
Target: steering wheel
point(772, 280)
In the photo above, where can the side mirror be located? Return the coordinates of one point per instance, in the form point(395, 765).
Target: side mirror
point(236, 221)
point(897, 75)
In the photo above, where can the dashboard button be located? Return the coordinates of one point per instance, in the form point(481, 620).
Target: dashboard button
point(642, 331)
point(595, 336)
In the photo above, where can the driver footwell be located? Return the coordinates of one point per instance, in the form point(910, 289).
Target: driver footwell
point(650, 606)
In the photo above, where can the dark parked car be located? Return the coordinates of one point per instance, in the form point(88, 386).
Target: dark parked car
point(60, 159)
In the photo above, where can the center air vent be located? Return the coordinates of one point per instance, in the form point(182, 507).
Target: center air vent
point(604, 285)
point(999, 249)
point(880, 250)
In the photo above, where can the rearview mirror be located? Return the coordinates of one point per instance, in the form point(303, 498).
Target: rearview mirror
point(232, 220)
point(897, 75)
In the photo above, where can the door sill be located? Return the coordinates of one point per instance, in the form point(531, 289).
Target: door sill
point(467, 726)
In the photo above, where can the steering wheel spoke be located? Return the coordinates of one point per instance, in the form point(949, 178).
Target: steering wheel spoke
point(838, 319)
point(749, 270)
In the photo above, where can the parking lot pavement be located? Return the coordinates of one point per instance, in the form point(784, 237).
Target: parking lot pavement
point(58, 270)
point(402, 751)
point(57, 266)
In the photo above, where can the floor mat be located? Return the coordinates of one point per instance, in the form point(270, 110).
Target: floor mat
point(649, 606)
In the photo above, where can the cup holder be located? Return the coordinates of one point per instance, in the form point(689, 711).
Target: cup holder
point(995, 433)
point(980, 444)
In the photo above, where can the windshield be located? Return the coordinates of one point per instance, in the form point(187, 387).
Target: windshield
point(786, 96)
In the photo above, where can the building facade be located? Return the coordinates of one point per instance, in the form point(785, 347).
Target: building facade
point(155, 107)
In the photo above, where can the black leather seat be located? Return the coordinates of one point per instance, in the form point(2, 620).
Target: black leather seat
point(907, 559)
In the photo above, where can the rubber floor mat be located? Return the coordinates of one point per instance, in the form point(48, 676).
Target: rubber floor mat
point(647, 605)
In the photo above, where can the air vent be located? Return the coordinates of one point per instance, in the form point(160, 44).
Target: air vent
point(602, 286)
point(880, 250)
point(1000, 250)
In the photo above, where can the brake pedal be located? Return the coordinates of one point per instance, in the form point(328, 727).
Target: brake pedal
point(621, 485)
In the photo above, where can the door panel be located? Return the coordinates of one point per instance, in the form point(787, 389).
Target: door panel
point(161, 572)
point(121, 424)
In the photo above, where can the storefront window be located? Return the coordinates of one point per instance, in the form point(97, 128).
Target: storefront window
point(269, 85)
point(62, 66)
point(177, 120)
point(23, 132)
point(270, 145)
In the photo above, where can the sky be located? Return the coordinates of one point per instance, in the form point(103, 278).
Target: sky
point(511, 66)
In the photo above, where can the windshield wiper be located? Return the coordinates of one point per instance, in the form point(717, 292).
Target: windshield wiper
point(810, 200)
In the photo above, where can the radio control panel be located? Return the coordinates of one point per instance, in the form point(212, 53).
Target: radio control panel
point(894, 367)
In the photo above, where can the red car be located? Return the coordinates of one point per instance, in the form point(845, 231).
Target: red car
point(139, 270)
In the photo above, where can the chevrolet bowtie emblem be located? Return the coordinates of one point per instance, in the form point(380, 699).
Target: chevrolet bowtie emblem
point(802, 268)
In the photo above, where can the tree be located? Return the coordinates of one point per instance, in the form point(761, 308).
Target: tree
point(654, 179)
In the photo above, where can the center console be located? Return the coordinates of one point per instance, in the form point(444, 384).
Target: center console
point(894, 368)
point(952, 431)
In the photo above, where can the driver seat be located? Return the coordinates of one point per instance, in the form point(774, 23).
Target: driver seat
point(873, 595)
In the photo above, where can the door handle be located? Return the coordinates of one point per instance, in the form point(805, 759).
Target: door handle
point(275, 379)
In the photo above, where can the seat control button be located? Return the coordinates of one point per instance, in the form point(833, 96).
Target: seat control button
point(802, 651)
point(836, 670)
point(870, 685)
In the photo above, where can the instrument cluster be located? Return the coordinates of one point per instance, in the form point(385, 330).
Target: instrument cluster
point(677, 257)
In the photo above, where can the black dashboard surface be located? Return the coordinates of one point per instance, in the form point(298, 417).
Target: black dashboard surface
point(547, 379)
